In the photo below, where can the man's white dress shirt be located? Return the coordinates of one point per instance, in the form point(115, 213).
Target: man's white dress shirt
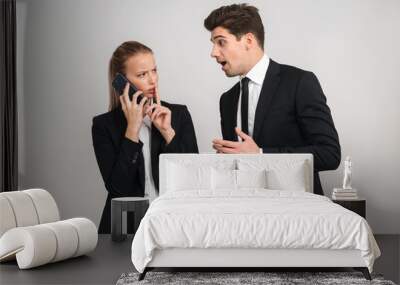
point(256, 76)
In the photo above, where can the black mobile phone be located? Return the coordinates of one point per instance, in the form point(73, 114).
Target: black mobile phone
point(119, 84)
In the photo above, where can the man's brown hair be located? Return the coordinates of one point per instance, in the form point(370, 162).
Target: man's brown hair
point(238, 19)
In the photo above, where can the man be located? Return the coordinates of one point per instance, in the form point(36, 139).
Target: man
point(280, 108)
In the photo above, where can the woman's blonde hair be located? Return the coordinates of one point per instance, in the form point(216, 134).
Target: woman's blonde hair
point(117, 65)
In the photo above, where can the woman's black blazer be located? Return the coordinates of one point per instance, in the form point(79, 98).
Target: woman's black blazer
point(121, 160)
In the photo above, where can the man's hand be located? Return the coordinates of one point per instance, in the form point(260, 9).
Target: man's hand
point(248, 145)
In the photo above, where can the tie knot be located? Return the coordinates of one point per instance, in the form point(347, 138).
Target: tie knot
point(245, 80)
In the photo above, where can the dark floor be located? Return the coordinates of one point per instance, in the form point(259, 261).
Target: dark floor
point(102, 266)
point(110, 260)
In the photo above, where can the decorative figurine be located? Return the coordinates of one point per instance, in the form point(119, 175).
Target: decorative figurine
point(347, 173)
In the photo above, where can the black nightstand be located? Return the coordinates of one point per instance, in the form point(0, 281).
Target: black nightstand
point(358, 206)
point(138, 205)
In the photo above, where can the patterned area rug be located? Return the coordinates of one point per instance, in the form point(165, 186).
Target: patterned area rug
point(230, 278)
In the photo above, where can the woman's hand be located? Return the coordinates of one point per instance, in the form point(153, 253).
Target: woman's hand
point(161, 118)
point(133, 113)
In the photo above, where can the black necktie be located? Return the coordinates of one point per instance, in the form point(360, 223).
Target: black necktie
point(245, 105)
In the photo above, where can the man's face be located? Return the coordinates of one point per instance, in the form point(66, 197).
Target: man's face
point(229, 52)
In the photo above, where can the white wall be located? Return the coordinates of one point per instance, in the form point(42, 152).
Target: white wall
point(63, 53)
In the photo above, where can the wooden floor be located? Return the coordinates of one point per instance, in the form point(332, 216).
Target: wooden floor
point(110, 260)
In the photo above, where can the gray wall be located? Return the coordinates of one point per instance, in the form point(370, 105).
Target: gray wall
point(63, 53)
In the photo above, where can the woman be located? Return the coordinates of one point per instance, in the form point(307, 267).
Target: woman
point(129, 138)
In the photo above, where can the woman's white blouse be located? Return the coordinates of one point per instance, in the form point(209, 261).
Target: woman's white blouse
point(145, 137)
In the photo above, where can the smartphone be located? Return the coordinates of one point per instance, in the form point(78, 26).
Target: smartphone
point(119, 84)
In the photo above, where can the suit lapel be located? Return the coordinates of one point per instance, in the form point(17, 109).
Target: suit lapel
point(156, 141)
point(232, 110)
point(156, 145)
point(268, 91)
point(155, 150)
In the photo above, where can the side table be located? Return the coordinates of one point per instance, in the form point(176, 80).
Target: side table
point(137, 205)
point(358, 206)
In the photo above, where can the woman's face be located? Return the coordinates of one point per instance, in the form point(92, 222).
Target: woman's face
point(141, 70)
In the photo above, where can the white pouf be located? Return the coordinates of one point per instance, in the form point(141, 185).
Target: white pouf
point(30, 230)
point(37, 245)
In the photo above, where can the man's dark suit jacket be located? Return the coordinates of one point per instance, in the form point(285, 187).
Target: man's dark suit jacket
point(121, 160)
point(291, 117)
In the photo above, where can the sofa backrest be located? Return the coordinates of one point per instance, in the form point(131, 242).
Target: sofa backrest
point(26, 208)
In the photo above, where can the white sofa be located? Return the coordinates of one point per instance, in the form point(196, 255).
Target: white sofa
point(31, 231)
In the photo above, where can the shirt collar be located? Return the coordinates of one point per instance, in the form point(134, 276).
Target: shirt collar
point(257, 73)
point(147, 121)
